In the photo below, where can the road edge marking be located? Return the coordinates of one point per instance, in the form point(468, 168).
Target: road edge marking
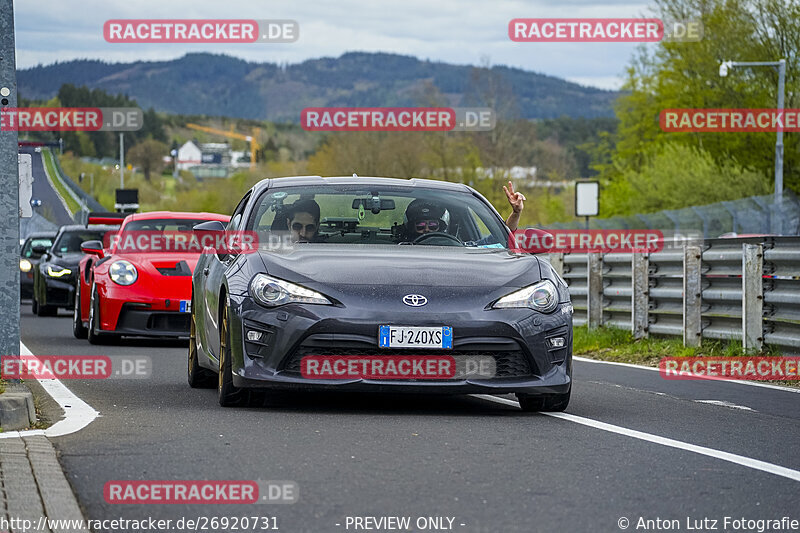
point(77, 413)
point(741, 460)
point(707, 378)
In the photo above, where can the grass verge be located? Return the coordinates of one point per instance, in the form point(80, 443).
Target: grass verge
point(61, 187)
point(618, 345)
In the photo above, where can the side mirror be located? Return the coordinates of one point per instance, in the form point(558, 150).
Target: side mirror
point(39, 249)
point(211, 225)
point(92, 248)
point(211, 228)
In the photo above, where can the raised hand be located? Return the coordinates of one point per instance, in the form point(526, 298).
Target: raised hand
point(516, 199)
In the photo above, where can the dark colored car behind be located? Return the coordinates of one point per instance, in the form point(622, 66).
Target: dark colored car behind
point(31, 251)
point(56, 275)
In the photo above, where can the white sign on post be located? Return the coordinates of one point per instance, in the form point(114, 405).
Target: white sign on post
point(25, 185)
point(587, 198)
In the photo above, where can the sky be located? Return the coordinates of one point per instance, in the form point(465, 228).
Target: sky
point(465, 32)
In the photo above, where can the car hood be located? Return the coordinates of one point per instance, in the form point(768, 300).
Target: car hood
point(402, 266)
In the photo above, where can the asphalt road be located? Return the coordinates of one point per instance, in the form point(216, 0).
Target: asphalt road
point(44, 192)
point(484, 463)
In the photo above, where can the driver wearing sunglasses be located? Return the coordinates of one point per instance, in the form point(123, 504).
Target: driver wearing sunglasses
point(303, 220)
point(425, 217)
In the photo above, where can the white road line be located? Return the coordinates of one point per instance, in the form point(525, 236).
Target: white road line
point(664, 441)
point(77, 413)
point(725, 404)
point(708, 378)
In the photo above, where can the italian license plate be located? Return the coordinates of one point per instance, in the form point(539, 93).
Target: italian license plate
point(186, 306)
point(440, 337)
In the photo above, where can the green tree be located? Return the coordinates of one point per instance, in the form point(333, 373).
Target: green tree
point(148, 155)
point(685, 75)
point(673, 176)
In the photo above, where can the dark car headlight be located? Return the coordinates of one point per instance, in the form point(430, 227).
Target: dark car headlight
point(57, 271)
point(123, 272)
point(272, 292)
point(541, 296)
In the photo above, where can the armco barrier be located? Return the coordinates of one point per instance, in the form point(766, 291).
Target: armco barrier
point(85, 198)
point(743, 289)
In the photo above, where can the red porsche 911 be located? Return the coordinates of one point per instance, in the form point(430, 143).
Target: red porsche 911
point(139, 282)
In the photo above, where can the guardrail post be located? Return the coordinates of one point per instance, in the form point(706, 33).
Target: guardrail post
point(557, 262)
point(594, 292)
point(692, 296)
point(752, 296)
point(640, 297)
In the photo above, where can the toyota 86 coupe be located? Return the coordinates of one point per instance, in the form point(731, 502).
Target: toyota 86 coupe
point(377, 284)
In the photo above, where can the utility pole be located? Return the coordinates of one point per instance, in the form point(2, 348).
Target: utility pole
point(121, 162)
point(777, 215)
point(9, 184)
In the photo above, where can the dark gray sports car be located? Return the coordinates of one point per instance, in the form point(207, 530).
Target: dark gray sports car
point(377, 284)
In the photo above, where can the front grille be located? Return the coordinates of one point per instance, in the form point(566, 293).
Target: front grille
point(168, 321)
point(509, 364)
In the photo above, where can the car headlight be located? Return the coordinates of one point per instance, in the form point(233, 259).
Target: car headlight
point(25, 265)
point(122, 272)
point(55, 271)
point(541, 296)
point(272, 292)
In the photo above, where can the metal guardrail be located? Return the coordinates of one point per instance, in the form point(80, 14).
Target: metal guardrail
point(745, 290)
point(85, 198)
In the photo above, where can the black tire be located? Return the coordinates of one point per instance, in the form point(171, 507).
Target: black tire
point(93, 331)
point(79, 331)
point(198, 377)
point(45, 310)
point(228, 394)
point(551, 403)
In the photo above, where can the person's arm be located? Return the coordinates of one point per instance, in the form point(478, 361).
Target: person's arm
point(517, 201)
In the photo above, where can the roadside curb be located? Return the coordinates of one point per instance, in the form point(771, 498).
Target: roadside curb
point(34, 486)
point(17, 410)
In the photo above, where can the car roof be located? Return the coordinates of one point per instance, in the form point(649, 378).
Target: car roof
point(150, 215)
point(292, 181)
point(91, 227)
point(40, 234)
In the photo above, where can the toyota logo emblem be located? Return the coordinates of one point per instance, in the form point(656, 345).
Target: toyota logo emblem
point(415, 300)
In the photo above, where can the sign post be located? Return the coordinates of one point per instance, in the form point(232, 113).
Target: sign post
point(9, 184)
point(587, 199)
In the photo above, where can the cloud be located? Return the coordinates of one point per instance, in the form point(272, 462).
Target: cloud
point(454, 31)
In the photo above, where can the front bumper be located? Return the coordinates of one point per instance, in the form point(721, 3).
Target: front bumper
point(517, 339)
point(124, 312)
point(59, 293)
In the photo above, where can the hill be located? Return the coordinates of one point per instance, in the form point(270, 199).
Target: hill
point(220, 85)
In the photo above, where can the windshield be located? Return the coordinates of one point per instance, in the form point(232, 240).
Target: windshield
point(27, 250)
point(164, 224)
point(70, 241)
point(378, 215)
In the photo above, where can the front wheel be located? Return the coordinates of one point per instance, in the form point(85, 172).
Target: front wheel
point(229, 395)
point(93, 331)
point(198, 377)
point(79, 331)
